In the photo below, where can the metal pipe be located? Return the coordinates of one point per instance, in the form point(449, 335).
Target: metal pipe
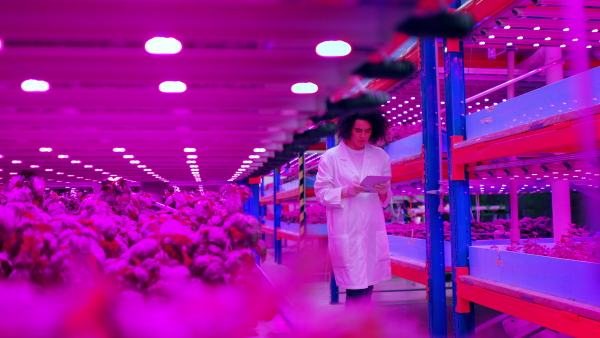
point(459, 196)
point(434, 223)
point(515, 232)
point(276, 216)
point(516, 79)
point(510, 72)
point(561, 209)
point(553, 74)
point(164, 207)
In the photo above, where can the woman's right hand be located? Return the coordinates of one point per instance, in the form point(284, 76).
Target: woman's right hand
point(352, 190)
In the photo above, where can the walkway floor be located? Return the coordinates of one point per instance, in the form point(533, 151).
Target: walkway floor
point(402, 313)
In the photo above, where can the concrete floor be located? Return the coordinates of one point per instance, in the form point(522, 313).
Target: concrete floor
point(408, 309)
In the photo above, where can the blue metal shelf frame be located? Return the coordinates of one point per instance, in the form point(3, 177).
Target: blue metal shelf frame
point(276, 215)
point(263, 208)
point(252, 205)
point(334, 291)
point(460, 199)
point(434, 225)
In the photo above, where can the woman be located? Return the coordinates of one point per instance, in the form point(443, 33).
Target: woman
point(358, 245)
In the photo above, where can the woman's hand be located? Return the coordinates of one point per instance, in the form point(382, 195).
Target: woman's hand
point(382, 188)
point(352, 190)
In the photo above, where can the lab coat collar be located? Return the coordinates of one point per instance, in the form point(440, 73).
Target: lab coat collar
point(345, 157)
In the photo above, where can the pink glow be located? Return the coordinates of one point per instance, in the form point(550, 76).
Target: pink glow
point(335, 48)
point(304, 88)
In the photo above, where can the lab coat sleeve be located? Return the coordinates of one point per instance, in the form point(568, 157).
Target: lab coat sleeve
point(325, 190)
point(387, 171)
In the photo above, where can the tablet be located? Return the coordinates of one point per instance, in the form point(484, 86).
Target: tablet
point(370, 181)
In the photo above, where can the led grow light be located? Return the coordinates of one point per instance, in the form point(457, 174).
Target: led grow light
point(35, 86)
point(162, 45)
point(172, 87)
point(304, 88)
point(334, 48)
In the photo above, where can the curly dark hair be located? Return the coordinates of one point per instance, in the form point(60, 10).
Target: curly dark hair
point(378, 125)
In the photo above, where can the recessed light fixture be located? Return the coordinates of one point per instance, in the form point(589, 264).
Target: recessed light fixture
point(192, 156)
point(333, 48)
point(162, 45)
point(127, 156)
point(45, 149)
point(254, 156)
point(88, 166)
point(34, 166)
point(63, 156)
point(189, 150)
point(190, 162)
point(119, 150)
point(259, 150)
point(134, 162)
point(141, 166)
point(75, 161)
point(172, 87)
point(48, 169)
point(35, 86)
point(16, 162)
point(305, 88)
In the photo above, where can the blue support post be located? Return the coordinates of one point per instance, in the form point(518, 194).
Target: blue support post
point(434, 227)
point(276, 216)
point(460, 198)
point(254, 201)
point(263, 208)
point(334, 291)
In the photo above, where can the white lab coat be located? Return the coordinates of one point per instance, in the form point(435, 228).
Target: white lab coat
point(358, 244)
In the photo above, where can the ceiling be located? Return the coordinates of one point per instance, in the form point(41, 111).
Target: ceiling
point(239, 60)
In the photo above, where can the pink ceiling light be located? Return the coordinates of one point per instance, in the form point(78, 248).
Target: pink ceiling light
point(337, 48)
point(35, 86)
point(161, 45)
point(304, 88)
point(172, 87)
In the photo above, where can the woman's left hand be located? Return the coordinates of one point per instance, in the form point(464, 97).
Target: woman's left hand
point(382, 188)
